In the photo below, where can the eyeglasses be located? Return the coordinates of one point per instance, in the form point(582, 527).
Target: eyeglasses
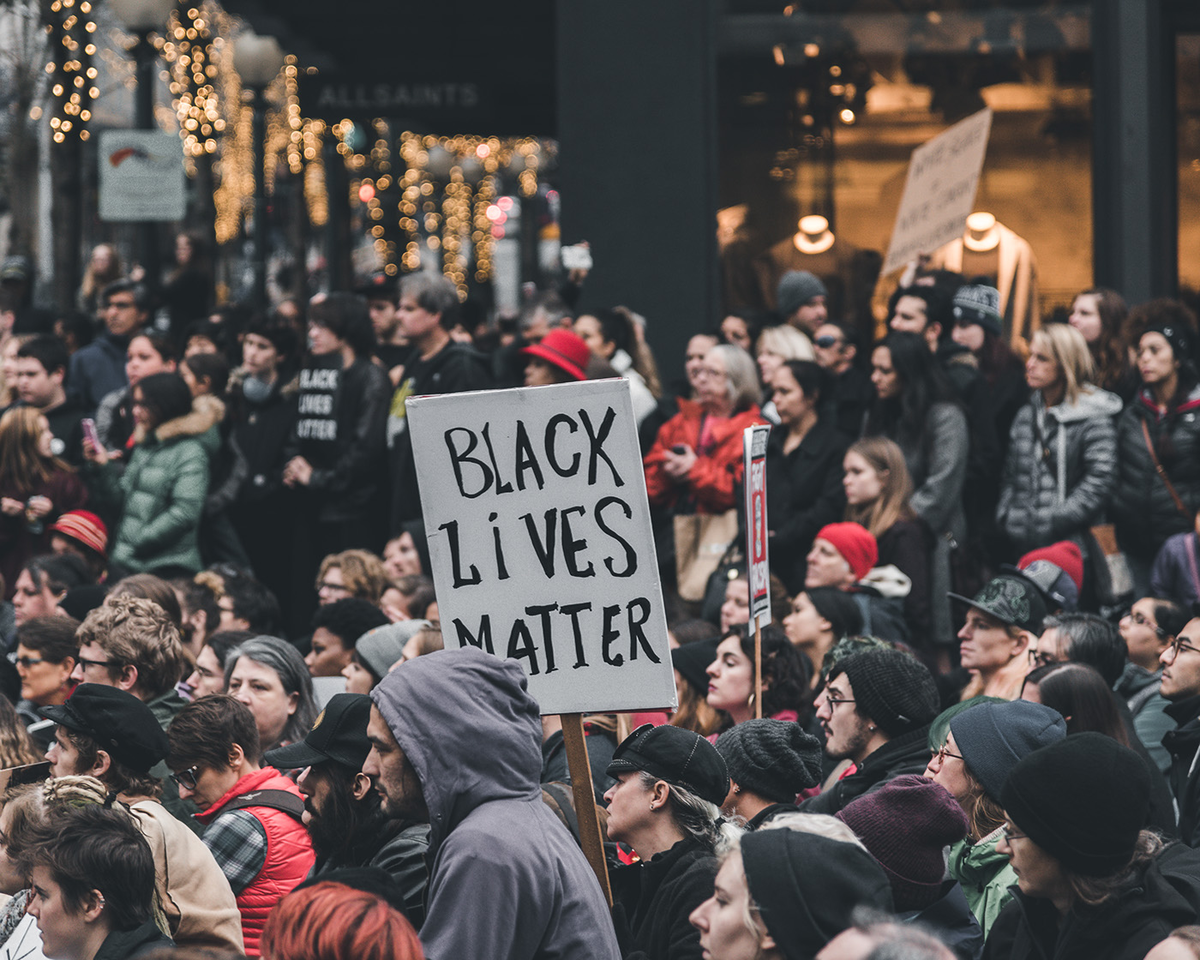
point(1178, 646)
point(834, 702)
point(326, 585)
point(943, 752)
point(1009, 833)
point(187, 778)
point(827, 341)
point(85, 663)
point(1041, 659)
point(1141, 621)
point(25, 662)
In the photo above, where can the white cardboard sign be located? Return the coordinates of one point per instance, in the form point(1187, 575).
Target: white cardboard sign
point(141, 176)
point(940, 190)
point(539, 536)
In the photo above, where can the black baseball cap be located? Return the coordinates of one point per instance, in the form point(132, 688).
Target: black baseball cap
point(339, 734)
point(118, 721)
point(678, 756)
point(1013, 600)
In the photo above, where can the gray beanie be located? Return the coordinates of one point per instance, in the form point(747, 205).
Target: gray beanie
point(993, 737)
point(381, 647)
point(975, 303)
point(774, 758)
point(796, 288)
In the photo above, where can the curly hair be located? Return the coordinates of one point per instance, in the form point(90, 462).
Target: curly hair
point(362, 573)
point(134, 632)
point(785, 670)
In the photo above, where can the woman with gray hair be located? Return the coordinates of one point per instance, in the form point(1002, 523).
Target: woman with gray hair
point(696, 461)
point(268, 675)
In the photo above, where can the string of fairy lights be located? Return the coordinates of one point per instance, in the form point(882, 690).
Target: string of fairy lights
point(446, 198)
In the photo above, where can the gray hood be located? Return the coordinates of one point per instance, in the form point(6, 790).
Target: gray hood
point(468, 725)
point(1090, 403)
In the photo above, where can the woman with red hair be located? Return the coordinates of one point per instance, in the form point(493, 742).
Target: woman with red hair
point(331, 921)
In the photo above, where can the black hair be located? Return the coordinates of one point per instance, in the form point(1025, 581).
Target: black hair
point(52, 637)
point(163, 345)
point(94, 847)
point(223, 642)
point(1170, 616)
point(839, 608)
point(693, 631)
point(1082, 696)
point(165, 396)
point(212, 367)
point(938, 300)
point(254, 603)
point(142, 297)
point(1088, 638)
point(616, 328)
point(809, 376)
point(78, 325)
point(47, 350)
point(433, 293)
point(922, 384)
point(281, 334)
point(59, 571)
point(346, 317)
point(349, 619)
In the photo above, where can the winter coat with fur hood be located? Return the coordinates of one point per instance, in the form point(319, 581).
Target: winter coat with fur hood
point(161, 493)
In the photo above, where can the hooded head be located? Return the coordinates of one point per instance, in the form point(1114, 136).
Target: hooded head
point(470, 729)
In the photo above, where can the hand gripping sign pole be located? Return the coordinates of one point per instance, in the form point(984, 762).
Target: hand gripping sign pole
point(758, 572)
point(541, 547)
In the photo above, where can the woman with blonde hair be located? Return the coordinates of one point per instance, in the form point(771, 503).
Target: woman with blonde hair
point(36, 488)
point(878, 486)
point(775, 347)
point(1061, 465)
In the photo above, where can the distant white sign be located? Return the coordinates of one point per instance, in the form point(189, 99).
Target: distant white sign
point(939, 193)
point(141, 176)
point(539, 536)
point(754, 454)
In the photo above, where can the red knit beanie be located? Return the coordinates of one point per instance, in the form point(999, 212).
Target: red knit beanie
point(855, 543)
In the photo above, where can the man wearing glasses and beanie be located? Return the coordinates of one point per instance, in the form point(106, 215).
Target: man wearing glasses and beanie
point(1181, 686)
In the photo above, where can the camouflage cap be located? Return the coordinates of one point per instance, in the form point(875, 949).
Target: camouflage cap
point(1011, 600)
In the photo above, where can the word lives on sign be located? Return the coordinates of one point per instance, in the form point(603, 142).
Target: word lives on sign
point(539, 536)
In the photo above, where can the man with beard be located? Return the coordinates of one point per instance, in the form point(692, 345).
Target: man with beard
point(341, 810)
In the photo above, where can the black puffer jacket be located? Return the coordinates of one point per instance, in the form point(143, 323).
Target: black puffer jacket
point(1143, 510)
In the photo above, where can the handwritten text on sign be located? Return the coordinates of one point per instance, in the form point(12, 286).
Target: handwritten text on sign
point(539, 535)
point(940, 190)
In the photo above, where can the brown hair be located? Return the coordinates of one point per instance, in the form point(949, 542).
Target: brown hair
point(149, 587)
point(25, 468)
point(362, 573)
point(205, 731)
point(119, 778)
point(886, 458)
point(16, 745)
point(136, 632)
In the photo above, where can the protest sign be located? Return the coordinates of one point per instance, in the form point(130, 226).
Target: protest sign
point(540, 541)
point(940, 190)
point(754, 454)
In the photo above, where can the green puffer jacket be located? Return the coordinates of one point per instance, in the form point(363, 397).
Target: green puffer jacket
point(161, 493)
point(985, 877)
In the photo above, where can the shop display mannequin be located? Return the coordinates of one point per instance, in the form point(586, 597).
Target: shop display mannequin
point(989, 249)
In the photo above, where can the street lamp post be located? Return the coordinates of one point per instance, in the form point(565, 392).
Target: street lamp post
point(258, 61)
point(142, 18)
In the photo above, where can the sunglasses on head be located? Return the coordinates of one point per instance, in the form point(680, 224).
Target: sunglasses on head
point(828, 341)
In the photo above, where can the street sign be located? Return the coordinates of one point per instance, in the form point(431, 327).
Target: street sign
point(141, 176)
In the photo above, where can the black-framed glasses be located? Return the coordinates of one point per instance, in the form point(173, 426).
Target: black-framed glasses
point(943, 752)
point(836, 701)
point(1009, 833)
point(1178, 646)
point(187, 778)
point(85, 663)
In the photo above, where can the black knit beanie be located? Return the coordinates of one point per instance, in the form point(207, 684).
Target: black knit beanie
point(775, 759)
point(692, 661)
point(806, 886)
point(893, 689)
point(1083, 800)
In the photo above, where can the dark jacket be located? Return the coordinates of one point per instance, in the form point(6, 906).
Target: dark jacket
point(19, 543)
point(804, 493)
point(907, 753)
point(1159, 898)
point(951, 919)
point(1138, 690)
point(97, 370)
point(1182, 744)
point(1142, 509)
point(453, 369)
point(396, 846)
point(653, 899)
point(257, 436)
point(125, 944)
point(908, 546)
point(340, 431)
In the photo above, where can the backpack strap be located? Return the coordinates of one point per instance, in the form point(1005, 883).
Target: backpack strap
point(289, 803)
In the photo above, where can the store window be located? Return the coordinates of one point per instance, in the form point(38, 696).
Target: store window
point(819, 113)
point(1187, 86)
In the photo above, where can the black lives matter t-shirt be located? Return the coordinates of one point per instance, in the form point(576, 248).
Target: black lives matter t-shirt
point(317, 407)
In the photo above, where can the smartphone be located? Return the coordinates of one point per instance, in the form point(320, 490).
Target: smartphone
point(577, 257)
point(679, 449)
point(89, 431)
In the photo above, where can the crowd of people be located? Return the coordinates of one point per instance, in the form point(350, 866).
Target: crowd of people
point(229, 725)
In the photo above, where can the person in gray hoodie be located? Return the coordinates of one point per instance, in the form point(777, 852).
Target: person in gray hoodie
point(456, 738)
